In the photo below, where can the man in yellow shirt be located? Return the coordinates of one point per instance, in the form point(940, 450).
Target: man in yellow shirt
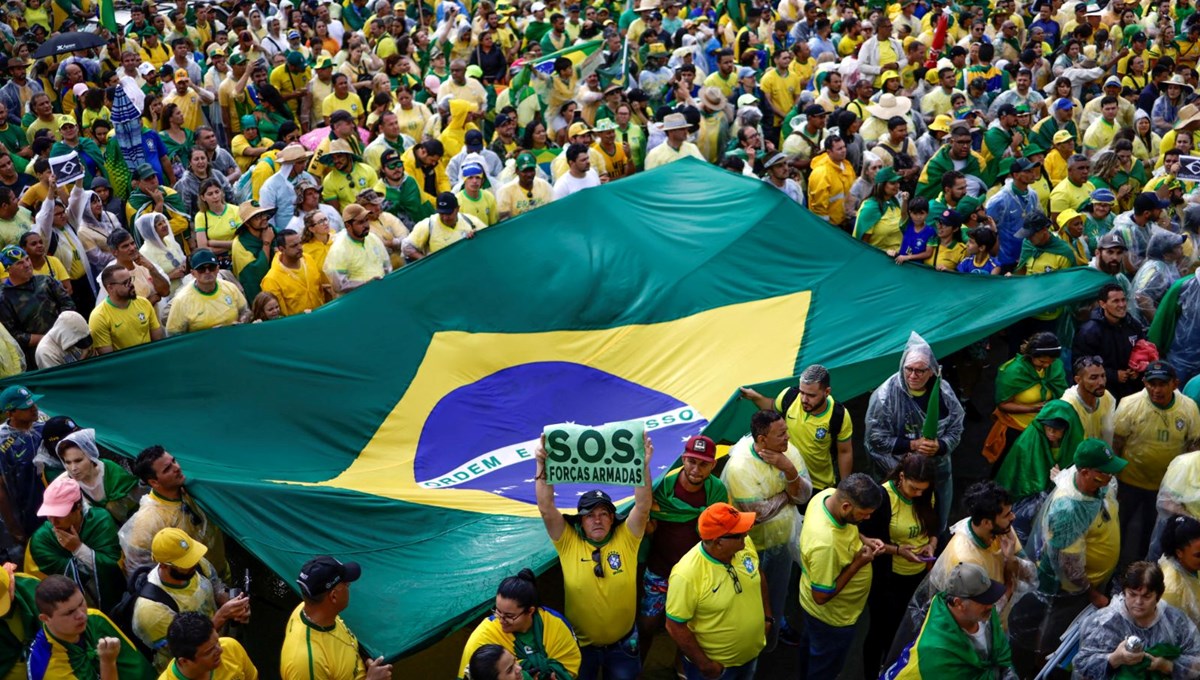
point(1073, 191)
point(1150, 429)
point(190, 100)
point(250, 145)
point(717, 601)
point(209, 302)
point(814, 422)
point(1102, 130)
point(447, 227)
point(201, 653)
point(347, 177)
point(343, 99)
point(123, 319)
point(835, 572)
point(780, 88)
point(525, 194)
point(598, 556)
point(294, 278)
point(291, 79)
point(725, 77)
point(357, 256)
point(316, 642)
point(474, 200)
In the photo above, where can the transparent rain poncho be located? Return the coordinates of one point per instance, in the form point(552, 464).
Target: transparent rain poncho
point(755, 486)
point(893, 414)
point(1059, 538)
point(1171, 635)
point(1182, 587)
point(964, 548)
point(1156, 275)
point(1178, 494)
point(1184, 351)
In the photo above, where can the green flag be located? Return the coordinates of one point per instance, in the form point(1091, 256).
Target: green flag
point(933, 412)
point(108, 16)
point(404, 415)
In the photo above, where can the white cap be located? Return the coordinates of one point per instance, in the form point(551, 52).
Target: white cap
point(145, 68)
point(537, 7)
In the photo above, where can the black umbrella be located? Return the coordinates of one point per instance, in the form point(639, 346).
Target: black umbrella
point(68, 42)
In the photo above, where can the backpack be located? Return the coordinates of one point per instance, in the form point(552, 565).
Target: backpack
point(140, 586)
point(836, 419)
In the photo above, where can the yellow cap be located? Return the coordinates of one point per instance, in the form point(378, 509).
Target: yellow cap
point(1063, 136)
point(174, 547)
point(1065, 217)
point(941, 123)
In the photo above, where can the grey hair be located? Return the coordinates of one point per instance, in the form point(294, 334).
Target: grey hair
point(815, 375)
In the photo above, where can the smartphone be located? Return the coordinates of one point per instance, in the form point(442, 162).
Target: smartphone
point(928, 558)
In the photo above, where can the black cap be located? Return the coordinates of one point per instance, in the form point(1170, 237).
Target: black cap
point(1007, 110)
point(322, 574)
point(594, 499)
point(474, 140)
point(1159, 370)
point(950, 218)
point(446, 203)
point(56, 429)
point(1149, 201)
point(1035, 224)
point(814, 110)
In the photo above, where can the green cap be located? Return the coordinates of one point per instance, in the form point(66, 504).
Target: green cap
point(149, 30)
point(1022, 108)
point(202, 257)
point(249, 121)
point(605, 125)
point(968, 205)
point(325, 63)
point(887, 174)
point(1033, 149)
point(526, 161)
point(295, 59)
point(144, 171)
point(1094, 454)
point(237, 58)
point(474, 71)
point(16, 398)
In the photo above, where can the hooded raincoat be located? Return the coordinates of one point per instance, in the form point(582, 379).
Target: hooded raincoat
point(58, 345)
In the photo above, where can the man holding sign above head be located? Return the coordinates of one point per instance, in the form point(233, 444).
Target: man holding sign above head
point(598, 553)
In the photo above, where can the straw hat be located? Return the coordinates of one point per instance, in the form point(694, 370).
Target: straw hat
point(1187, 114)
point(711, 99)
point(338, 146)
point(251, 209)
point(292, 153)
point(1176, 80)
point(674, 121)
point(890, 105)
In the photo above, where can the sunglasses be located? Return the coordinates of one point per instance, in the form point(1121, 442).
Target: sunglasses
point(207, 268)
point(737, 585)
point(598, 569)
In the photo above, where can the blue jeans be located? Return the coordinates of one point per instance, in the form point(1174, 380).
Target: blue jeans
point(619, 660)
point(775, 565)
point(743, 672)
point(823, 648)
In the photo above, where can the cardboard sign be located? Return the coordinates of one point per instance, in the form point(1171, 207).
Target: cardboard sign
point(67, 168)
point(613, 454)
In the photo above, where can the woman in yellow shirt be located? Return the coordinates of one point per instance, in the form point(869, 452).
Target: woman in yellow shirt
point(1023, 386)
point(217, 221)
point(414, 117)
point(950, 249)
point(315, 240)
point(908, 526)
point(880, 217)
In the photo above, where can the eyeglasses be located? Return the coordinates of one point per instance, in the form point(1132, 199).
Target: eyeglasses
point(505, 617)
point(598, 570)
point(913, 370)
point(126, 282)
point(737, 585)
point(207, 268)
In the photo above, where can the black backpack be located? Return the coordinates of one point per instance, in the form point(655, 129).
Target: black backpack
point(836, 419)
point(140, 586)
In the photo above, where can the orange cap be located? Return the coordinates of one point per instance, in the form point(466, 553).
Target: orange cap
point(720, 519)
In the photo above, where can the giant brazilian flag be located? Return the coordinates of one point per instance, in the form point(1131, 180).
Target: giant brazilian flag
point(395, 426)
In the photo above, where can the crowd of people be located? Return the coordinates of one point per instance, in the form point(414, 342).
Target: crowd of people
point(331, 143)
